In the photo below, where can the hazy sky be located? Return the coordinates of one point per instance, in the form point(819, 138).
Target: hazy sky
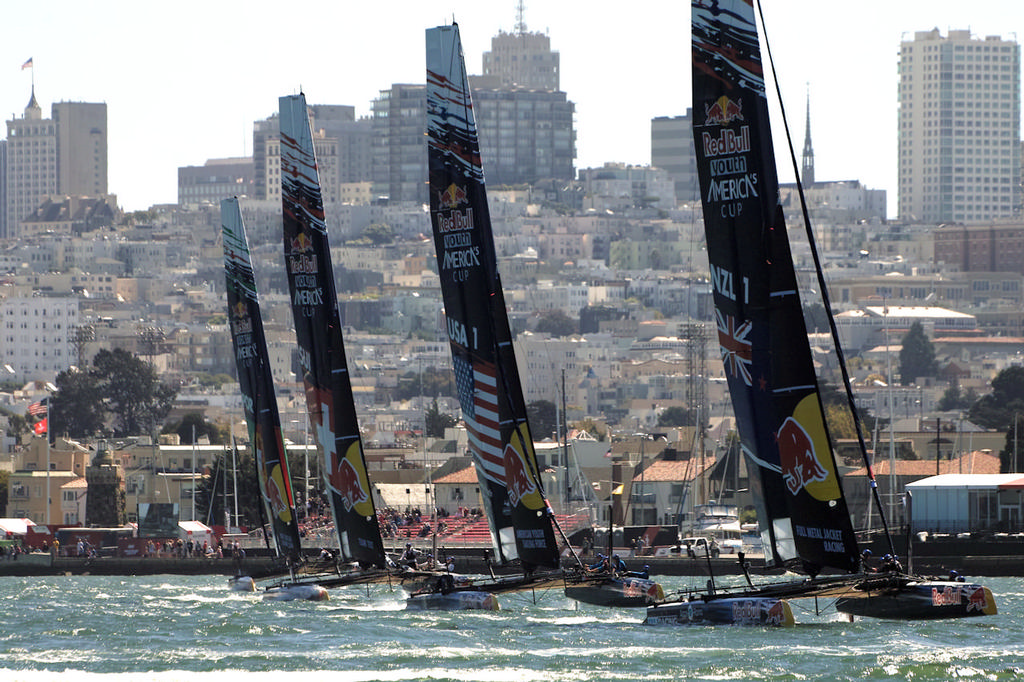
point(184, 80)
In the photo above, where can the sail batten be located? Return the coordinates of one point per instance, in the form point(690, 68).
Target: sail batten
point(256, 384)
point(761, 330)
point(314, 300)
point(489, 388)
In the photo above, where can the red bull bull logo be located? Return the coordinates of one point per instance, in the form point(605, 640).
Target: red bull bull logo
point(301, 243)
point(517, 480)
point(723, 111)
point(776, 614)
point(800, 465)
point(277, 505)
point(240, 322)
point(977, 600)
point(345, 480)
point(453, 196)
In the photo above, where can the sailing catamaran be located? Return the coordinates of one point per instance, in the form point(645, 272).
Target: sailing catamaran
point(260, 405)
point(802, 513)
point(328, 385)
point(321, 351)
point(522, 524)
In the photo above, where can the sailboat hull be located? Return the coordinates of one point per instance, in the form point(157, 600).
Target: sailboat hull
point(751, 611)
point(618, 592)
point(296, 592)
point(463, 600)
point(922, 600)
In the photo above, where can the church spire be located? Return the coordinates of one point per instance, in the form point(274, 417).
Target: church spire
point(807, 170)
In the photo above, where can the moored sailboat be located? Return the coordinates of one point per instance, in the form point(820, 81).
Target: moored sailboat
point(802, 513)
point(260, 406)
point(522, 524)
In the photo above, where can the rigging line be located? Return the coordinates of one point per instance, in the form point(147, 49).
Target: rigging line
point(823, 289)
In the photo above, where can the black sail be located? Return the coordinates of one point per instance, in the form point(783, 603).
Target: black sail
point(802, 512)
point(490, 392)
point(256, 384)
point(321, 350)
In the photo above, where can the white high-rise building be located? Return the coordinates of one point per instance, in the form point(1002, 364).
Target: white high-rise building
point(959, 128)
point(31, 165)
point(35, 336)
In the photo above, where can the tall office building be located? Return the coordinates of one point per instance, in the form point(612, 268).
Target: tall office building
point(672, 151)
point(399, 145)
point(522, 59)
point(62, 155)
point(31, 164)
point(342, 145)
point(81, 148)
point(525, 135)
point(959, 128)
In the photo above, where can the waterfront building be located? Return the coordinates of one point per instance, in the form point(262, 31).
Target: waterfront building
point(959, 127)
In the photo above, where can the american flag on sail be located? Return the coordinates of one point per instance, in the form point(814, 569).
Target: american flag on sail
point(735, 346)
point(478, 395)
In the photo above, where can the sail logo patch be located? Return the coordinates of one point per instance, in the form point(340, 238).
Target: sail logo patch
point(346, 480)
point(735, 346)
point(517, 481)
point(800, 465)
point(723, 111)
point(453, 196)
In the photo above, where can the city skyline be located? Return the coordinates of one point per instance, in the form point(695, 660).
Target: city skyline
point(183, 83)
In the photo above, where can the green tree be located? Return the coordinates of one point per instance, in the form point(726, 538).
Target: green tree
point(378, 233)
point(217, 433)
point(677, 416)
point(1011, 457)
point(917, 357)
point(431, 381)
point(997, 409)
point(132, 392)
point(76, 408)
point(543, 417)
point(17, 424)
point(5, 485)
point(556, 323)
point(437, 421)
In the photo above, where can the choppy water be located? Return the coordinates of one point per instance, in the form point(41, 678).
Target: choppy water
point(166, 628)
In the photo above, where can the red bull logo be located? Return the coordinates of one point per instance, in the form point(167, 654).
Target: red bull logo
point(800, 465)
point(453, 196)
point(517, 481)
point(977, 600)
point(776, 614)
point(301, 243)
point(723, 111)
point(277, 505)
point(345, 480)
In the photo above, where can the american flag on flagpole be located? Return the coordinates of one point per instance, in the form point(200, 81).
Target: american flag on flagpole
point(39, 408)
point(27, 64)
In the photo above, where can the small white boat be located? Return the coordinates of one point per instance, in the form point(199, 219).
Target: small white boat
point(296, 592)
point(242, 583)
